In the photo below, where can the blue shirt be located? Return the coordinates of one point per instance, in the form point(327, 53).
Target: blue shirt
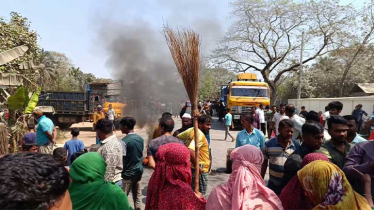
point(73, 146)
point(277, 157)
point(255, 138)
point(358, 139)
point(228, 118)
point(207, 136)
point(44, 124)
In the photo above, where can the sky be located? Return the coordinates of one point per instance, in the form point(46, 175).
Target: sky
point(74, 27)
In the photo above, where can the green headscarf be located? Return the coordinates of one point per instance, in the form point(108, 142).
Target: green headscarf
point(89, 190)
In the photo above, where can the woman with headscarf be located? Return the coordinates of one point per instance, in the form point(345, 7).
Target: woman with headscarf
point(292, 195)
point(89, 190)
point(170, 184)
point(326, 186)
point(245, 188)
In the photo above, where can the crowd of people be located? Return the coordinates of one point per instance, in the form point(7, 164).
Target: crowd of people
point(315, 161)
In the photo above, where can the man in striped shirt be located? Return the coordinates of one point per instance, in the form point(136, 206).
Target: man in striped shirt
point(276, 151)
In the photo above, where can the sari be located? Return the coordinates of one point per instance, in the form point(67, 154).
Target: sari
point(89, 190)
point(326, 185)
point(292, 195)
point(170, 184)
point(245, 188)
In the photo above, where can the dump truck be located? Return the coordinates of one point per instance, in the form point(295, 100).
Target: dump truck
point(244, 93)
point(65, 108)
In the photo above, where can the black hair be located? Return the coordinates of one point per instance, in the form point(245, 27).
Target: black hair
point(30, 126)
point(350, 117)
point(336, 119)
point(326, 108)
point(273, 106)
point(290, 108)
point(335, 105)
point(32, 181)
point(267, 107)
point(227, 109)
point(282, 104)
point(75, 132)
point(248, 117)
point(261, 105)
point(105, 126)
point(285, 123)
point(312, 116)
point(167, 123)
point(59, 154)
point(129, 122)
point(26, 147)
point(204, 119)
point(75, 155)
point(312, 128)
point(303, 107)
point(166, 114)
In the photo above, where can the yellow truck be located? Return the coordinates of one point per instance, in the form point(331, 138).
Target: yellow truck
point(241, 95)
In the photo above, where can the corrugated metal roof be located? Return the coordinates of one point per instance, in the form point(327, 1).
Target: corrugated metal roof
point(365, 87)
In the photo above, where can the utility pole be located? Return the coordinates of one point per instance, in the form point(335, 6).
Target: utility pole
point(301, 66)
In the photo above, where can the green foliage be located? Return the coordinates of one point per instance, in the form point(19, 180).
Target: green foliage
point(57, 73)
point(18, 99)
point(210, 81)
point(322, 79)
point(14, 33)
point(33, 101)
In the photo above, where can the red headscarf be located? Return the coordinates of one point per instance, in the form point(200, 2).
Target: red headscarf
point(170, 184)
point(292, 195)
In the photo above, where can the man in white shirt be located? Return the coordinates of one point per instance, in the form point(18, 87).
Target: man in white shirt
point(325, 116)
point(111, 114)
point(281, 115)
point(298, 121)
point(261, 116)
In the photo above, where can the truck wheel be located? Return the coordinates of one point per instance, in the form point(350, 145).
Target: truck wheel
point(64, 126)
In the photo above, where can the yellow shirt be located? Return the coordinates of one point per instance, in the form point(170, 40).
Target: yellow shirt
point(188, 137)
point(98, 116)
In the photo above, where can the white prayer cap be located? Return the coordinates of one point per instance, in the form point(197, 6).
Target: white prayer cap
point(186, 115)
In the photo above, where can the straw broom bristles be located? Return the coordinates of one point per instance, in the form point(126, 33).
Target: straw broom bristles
point(184, 48)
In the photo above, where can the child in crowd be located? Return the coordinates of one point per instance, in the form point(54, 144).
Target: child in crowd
point(74, 145)
point(60, 155)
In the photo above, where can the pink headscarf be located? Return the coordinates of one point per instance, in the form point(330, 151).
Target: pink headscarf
point(245, 188)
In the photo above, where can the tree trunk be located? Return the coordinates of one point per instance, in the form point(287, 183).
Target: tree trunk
point(273, 96)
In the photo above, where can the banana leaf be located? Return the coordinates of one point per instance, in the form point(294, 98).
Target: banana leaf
point(17, 100)
point(14, 53)
point(27, 98)
point(33, 101)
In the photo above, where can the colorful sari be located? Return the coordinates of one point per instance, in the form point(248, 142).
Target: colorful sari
point(328, 188)
point(170, 184)
point(292, 195)
point(245, 188)
point(89, 190)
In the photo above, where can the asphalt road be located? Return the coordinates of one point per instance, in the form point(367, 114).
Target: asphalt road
point(217, 144)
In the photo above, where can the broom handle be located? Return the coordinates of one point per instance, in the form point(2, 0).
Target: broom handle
point(197, 167)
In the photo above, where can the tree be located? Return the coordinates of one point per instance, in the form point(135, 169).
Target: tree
point(266, 35)
point(322, 79)
point(14, 33)
point(210, 81)
point(366, 21)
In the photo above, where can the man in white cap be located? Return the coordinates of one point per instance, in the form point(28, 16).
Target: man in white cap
point(98, 115)
point(186, 124)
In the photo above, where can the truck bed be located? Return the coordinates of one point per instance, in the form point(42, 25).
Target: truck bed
point(64, 102)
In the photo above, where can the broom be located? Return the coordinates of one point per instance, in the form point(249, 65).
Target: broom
point(184, 48)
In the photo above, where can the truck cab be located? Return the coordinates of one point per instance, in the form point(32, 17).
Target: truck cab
point(244, 94)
